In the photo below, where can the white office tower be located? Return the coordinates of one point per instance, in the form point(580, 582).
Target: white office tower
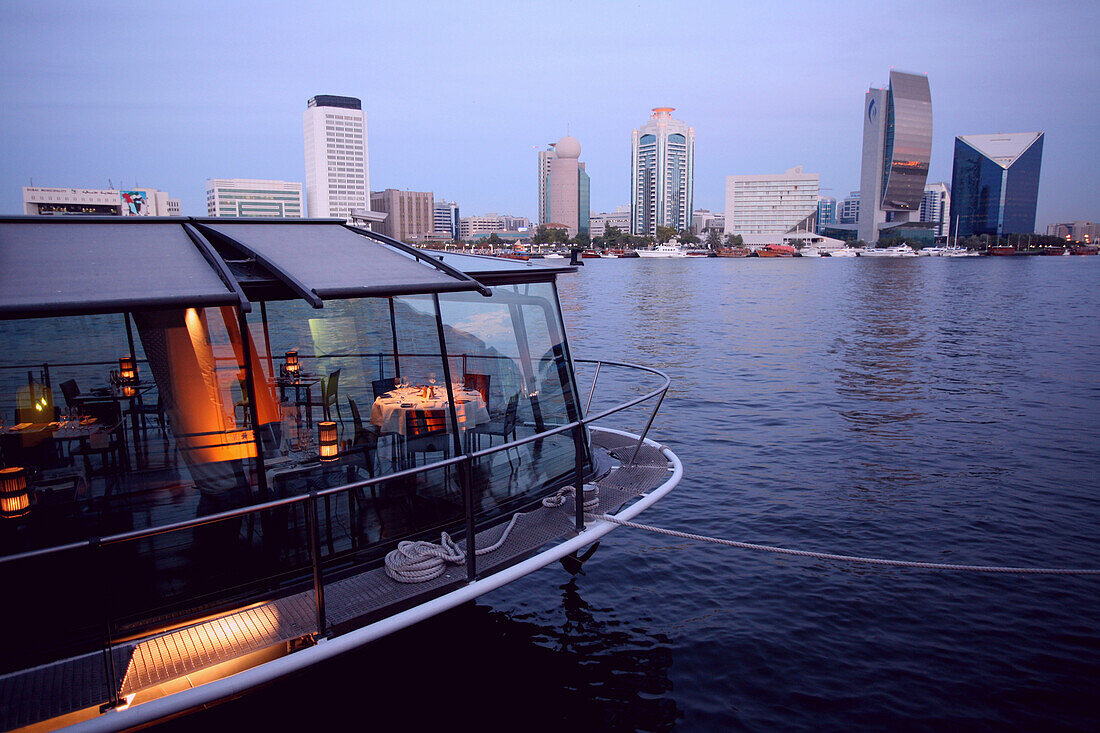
point(661, 173)
point(935, 207)
point(253, 197)
point(770, 203)
point(897, 146)
point(337, 165)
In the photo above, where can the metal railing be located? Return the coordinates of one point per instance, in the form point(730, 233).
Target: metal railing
point(464, 464)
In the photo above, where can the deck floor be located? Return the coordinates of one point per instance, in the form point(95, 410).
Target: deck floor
point(52, 690)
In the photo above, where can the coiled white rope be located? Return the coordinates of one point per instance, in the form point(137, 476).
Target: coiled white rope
point(852, 558)
point(420, 561)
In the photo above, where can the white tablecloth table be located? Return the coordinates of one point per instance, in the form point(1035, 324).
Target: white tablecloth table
point(389, 411)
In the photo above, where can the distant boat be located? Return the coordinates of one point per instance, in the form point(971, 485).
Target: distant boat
point(809, 252)
point(900, 250)
point(663, 251)
point(626, 253)
point(1084, 249)
point(1003, 251)
point(553, 256)
point(591, 254)
point(846, 252)
point(776, 250)
point(733, 251)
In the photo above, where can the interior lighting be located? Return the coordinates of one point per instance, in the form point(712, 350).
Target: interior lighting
point(327, 447)
point(15, 499)
point(291, 361)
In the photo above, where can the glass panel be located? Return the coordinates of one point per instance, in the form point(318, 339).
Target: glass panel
point(510, 351)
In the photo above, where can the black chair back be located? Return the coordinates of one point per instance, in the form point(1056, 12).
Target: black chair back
point(382, 386)
point(422, 423)
point(71, 391)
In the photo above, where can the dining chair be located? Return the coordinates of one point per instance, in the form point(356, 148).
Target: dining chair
point(382, 386)
point(367, 433)
point(330, 396)
point(71, 391)
point(426, 432)
point(504, 427)
point(109, 445)
point(479, 382)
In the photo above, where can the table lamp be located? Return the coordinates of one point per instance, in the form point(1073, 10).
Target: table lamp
point(290, 362)
point(327, 446)
point(127, 370)
point(15, 499)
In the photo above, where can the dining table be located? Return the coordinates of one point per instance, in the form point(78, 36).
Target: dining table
point(390, 411)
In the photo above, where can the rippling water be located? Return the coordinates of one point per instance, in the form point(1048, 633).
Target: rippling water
point(934, 409)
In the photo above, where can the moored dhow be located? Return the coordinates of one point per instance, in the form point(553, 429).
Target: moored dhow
point(233, 449)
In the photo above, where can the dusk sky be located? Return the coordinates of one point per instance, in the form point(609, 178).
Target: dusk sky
point(459, 96)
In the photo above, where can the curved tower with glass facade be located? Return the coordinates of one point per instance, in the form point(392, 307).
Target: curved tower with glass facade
point(662, 155)
point(995, 183)
point(897, 147)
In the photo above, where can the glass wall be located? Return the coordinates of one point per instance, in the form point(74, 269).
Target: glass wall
point(213, 419)
point(511, 349)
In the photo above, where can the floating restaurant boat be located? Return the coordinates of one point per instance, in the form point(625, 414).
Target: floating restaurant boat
point(308, 436)
point(733, 251)
point(591, 254)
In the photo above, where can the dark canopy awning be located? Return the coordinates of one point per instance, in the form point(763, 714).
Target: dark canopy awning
point(59, 267)
point(332, 261)
point(69, 265)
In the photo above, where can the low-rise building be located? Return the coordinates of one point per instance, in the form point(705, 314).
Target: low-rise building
point(619, 218)
point(770, 203)
point(253, 197)
point(1086, 232)
point(410, 214)
point(98, 202)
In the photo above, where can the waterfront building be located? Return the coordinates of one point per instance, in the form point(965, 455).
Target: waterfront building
point(897, 147)
point(770, 203)
point(253, 197)
point(848, 211)
point(935, 207)
point(410, 214)
point(661, 174)
point(41, 201)
point(703, 220)
point(1085, 232)
point(619, 218)
point(515, 223)
point(567, 187)
point(445, 218)
point(545, 156)
point(471, 226)
point(337, 164)
point(826, 212)
point(995, 183)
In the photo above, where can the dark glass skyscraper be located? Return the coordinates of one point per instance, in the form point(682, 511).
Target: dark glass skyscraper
point(995, 183)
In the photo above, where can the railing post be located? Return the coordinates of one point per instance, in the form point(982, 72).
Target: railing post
point(315, 556)
point(593, 390)
point(641, 438)
point(578, 478)
point(108, 641)
point(467, 473)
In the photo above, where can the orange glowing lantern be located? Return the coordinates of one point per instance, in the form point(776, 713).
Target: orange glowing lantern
point(127, 370)
point(15, 499)
point(327, 446)
point(290, 361)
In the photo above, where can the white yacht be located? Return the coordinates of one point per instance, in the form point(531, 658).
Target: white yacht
point(667, 250)
point(845, 252)
point(900, 250)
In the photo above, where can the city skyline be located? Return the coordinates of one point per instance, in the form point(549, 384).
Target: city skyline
point(97, 93)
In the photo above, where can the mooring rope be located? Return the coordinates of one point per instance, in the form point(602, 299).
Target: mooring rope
point(851, 558)
point(420, 561)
